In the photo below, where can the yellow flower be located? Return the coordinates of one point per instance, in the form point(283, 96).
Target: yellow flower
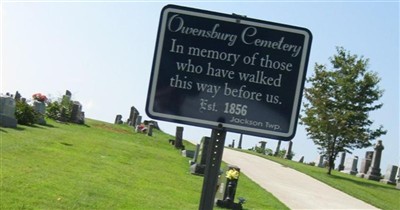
point(232, 174)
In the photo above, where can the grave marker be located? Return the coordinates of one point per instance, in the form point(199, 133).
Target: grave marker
point(7, 112)
point(374, 172)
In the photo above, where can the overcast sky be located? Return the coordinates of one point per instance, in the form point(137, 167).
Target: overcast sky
point(102, 51)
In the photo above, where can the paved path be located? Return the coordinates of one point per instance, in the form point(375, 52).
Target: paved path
point(294, 189)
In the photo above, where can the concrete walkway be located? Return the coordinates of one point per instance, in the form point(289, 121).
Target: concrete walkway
point(296, 190)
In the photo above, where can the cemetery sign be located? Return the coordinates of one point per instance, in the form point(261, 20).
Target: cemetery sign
point(211, 68)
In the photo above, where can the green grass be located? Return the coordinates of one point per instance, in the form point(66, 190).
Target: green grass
point(378, 194)
point(102, 166)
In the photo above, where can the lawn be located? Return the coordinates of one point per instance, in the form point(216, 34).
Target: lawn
point(102, 166)
point(375, 193)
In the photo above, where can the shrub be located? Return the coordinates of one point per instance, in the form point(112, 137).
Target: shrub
point(55, 111)
point(25, 114)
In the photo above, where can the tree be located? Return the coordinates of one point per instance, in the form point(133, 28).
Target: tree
point(337, 105)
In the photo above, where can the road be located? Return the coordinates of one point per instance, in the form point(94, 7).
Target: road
point(296, 190)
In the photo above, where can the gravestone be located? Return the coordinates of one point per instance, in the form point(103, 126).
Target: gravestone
point(7, 112)
point(188, 153)
point(374, 172)
point(301, 159)
point(288, 154)
point(350, 166)
point(179, 138)
point(199, 167)
point(133, 116)
point(226, 189)
point(320, 161)
point(150, 129)
point(263, 145)
point(40, 108)
point(17, 96)
point(278, 148)
point(398, 178)
point(342, 159)
point(390, 175)
point(139, 120)
point(196, 154)
point(240, 141)
point(118, 119)
point(77, 116)
point(365, 164)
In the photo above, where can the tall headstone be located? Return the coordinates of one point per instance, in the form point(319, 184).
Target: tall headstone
point(263, 146)
point(179, 138)
point(40, 109)
point(301, 159)
point(278, 148)
point(390, 175)
point(118, 119)
point(365, 164)
point(133, 117)
point(17, 96)
point(342, 159)
point(7, 112)
point(374, 172)
point(288, 154)
point(350, 166)
point(150, 129)
point(320, 161)
point(199, 167)
point(240, 141)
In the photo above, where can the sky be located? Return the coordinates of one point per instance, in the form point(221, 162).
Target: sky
point(102, 51)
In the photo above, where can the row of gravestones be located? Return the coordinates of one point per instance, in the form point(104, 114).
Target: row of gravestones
point(135, 120)
point(8, 108)
point(370, 166)
point(288, 154)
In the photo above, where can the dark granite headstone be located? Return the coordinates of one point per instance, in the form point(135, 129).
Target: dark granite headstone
point(374, 172)
point(365, 164)
point(179, 138)
point(288, 154)
point(342, 159)
point(390, 175)
point(199, 167)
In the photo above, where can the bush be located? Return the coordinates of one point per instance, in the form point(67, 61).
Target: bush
point(54, 111)
point(25, 114)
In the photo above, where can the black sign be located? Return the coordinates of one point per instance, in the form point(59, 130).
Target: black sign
point(211, 68)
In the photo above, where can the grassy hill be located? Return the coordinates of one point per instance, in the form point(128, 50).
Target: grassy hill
point(102, 166)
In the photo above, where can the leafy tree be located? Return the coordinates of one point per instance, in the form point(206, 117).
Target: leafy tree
point(338, 103)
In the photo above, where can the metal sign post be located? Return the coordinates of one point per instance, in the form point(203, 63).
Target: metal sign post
point(213, 163)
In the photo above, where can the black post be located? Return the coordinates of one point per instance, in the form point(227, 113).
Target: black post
point(213, 164)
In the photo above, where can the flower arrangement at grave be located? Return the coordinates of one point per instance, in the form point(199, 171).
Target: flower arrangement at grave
point(232, 174)
point(39, 97)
